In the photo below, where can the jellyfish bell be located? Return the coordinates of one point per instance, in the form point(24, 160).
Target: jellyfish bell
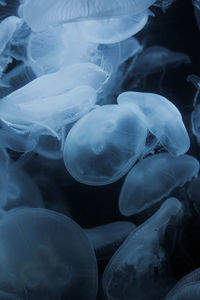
point(133, 265)
point(51, 13)
point(48, 257)
point(56, 83)
point(107, 238)
point(112, 30)
point(162, 118)
point(155, 58)
point(17, 187)
point(104, 144)
point(154, 178)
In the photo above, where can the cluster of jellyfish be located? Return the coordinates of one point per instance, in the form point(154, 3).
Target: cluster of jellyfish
point(68, 122)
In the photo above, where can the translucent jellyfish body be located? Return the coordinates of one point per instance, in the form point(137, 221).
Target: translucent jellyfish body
point(154, 178)
point(196, 4)
point(7, 28)
point(50, 50)
point(193, 192)
point(138, 267)
point(107, 238)
point(156, 58)
point(51, 13)
point(17, 188)
point(162, 118)
point(104, 144)
point(48, 262)
point(112, 30)
point(187, 288)
point(195, 122)
point(59, 82)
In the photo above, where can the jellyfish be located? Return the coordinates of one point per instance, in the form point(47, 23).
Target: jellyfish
point(17, 188)
point(162, 118)
point(112, 30)
point(48, 260)
point(139, 266)
point(50, 50)
point(155, 58)
point(196, 81)
point(3, 3)
point(196, 4)
point(15, 79)
point(7, 29)
point(59, 82)
point(154, 178)
point(102, 146)
point(107, 238)
point(187, 288)
point(195, 126)
point(193, 193)
point(41, 14)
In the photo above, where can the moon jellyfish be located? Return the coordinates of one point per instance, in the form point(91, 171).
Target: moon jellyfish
point(162, 118)
point(112, 30)
point(154, 178)
point(50, 50)
point(104, 144)
point(187, 288)
point(59, 110)
point(17, 188)
point(140, 266)
point(59, 82)
point(48, 260)
point(107, 238)
point(7, 28)
point(40, 13)
point(155, 59)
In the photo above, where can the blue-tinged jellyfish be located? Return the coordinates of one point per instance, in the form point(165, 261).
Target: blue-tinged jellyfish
point(3, 3)
point(139, 268)
point(187, 288)
point(44, 118)
point(154, 178)
point(103, 145)
point(193, 192)
point(107, 238)
point(50, 50)
point(163, 119)
point(112, 30)
point(157, 58)
point(41, 13)
point(196, 4)
point(56, 83)
point(195, 120)
point(17, 187)
point(53, 258)
point(7, 29)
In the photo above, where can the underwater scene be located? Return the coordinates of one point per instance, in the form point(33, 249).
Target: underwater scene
point(99, 149)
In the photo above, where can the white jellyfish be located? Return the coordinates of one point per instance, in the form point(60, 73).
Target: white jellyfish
point(103, 145)
point(163, 119)
point(40, 13)
point(139, 266)
point(154, 178)
point(48, 260)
